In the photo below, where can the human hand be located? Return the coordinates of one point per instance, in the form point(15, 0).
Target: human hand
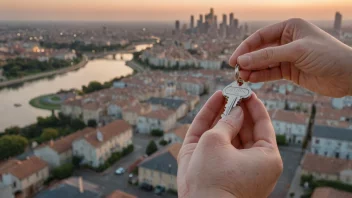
point(298, 51)
point(232, 157)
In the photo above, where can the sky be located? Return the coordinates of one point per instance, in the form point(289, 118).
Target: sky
point(168, 10)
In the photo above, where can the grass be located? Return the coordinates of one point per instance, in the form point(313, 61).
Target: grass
point(39, 103)
point(55, 98)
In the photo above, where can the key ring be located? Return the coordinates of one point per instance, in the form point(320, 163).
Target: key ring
point(237, 75)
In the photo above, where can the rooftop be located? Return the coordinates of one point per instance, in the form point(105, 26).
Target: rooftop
point(120, 194)
point(24, 169)
point(326, 165)
point(330, 132)
point(181, 131)
point(163, 161)
point(327, 192)
point(161, 114)
point(289, 116)
point(168, 102)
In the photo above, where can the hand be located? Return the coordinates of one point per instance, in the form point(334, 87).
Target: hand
point(233, 157)
point(298, 51)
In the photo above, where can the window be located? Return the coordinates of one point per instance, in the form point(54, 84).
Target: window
point(14, 184)
point(337, 154)
point(348, 156)
point(325, 153)
point(317, 141)
point(316, 151)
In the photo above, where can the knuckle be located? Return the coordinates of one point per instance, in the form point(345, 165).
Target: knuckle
point(211, 136)
point(267, 54)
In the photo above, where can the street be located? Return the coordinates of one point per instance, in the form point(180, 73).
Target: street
point(108, 181)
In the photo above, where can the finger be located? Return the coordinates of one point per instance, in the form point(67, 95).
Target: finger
point(264, 75)
point(205, 118)
point(237, 143)
point(246, 132)
point(231, 124)
point(216, 120)
point(263, 129)
point(269, 56)
point(261, 37)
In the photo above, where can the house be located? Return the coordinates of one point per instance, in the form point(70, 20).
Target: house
point(160, 168)
point(191, 100)
point(92, 111)
point(161, 119)
point(333, 116)
point(6, 191)
point(327, 168)
point(179, 106)
point(272, 100)
point(59, 152)
point(299, 102)
point(332, 142)
point(25, 177)
point(340, 103)
point(65, 55)
point(328, 192)
point(177, 135)
point(96, 147)
point(73, 187)
point(292, 125)
point(115, 108)
point(191, 85)
point(72, 107)
point(131, 113)
point(120, 194)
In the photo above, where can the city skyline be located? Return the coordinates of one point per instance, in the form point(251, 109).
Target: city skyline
point(157, 10)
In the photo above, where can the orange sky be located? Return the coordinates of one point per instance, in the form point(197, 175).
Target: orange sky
point(165, 10)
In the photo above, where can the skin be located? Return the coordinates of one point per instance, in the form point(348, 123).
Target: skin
point(236, 156)
point(298, 51)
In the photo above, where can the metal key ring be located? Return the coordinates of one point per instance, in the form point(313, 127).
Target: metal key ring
point(237, 72)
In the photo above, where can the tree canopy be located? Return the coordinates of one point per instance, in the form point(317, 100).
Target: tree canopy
point(12, 145)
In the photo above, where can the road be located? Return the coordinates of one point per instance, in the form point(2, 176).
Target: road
point(110, 182)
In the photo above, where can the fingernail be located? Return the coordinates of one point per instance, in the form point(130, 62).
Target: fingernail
point(236, 112)
point(244, 60)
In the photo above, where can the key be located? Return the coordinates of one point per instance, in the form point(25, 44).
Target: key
point(234, 93)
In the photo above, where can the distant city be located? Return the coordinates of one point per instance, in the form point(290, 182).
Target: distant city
point(101, 109)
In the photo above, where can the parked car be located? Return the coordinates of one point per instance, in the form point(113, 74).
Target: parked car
point(120, 171)
point(146, 187)
point(159, 190)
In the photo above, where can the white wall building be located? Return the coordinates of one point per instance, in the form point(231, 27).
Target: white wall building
point(161, 119)
point(59, 152)
point(272, 100)
point(97, 146)
point(332, 142)
point(291, 124)
point(177, 135)
point(340, 103)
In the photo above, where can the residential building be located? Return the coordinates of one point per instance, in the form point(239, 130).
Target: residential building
point(6, 191)
point(65, 55)
point(191, 100)
point(332, 142)
point(272, 100)
point(292, 125)
point(191, 85)
point(72, 107)
point(299, 102)
point(340, 103)
point(73, 187)
point(120, 194)
point(327, 168)
point(25, 177)
point(179, 106)
point(92, 111)
point(328, 192)
point(59, 152)
point(2, 77)
point(115, 108)
point(132, 112)
point(177, 135)
point(160, 119)
point(160, 168)
point(96, 147)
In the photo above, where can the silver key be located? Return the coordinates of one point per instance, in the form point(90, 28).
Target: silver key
point(234, 93)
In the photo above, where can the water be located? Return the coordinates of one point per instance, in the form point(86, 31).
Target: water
point(98, 70)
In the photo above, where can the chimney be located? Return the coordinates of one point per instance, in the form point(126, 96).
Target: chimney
point(51, 143)
point(80, 183)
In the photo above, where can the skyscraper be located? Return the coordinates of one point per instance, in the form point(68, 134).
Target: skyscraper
point(231, 19)
point(338, 22)
point(224, 19)
point(201, 18)
point(192, 22)
point(177, 25)
point(212, 11)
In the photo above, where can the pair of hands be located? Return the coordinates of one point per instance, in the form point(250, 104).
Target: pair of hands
point(238, 156)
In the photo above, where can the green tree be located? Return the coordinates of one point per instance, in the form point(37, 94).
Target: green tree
point(77, 124)
point(15, 130)
point(92, 87)
point(12, 145)
point(157, 132)
point(92, 123)
point(49, 134)
point(281, 140)
point(63, 171)
point(151, 148)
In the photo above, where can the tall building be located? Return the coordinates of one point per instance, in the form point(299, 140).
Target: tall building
point(177, 25)
point(224, 19)
point(201, 18)
point(192, 22)
point(211, 11)
point(338, 21)
point(231, 18)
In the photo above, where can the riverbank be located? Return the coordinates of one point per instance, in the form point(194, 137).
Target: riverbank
point(44, 74)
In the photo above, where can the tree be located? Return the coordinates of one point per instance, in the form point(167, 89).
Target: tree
point(15, 130)
point(151, 148)
point(77, 124)
point(92, 123)
point(157, 132)
point(63, 171)
point(49, 134)
point(281, 139)
point(12, 145)
point(92, 87)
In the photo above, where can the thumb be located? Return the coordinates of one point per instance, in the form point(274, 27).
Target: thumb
point(264, 58)
point(231, 124)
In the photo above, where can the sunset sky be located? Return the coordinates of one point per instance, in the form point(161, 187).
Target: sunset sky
point(166, 10)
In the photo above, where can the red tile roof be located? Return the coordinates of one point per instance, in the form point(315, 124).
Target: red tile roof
point(174, 149)
point(326, 165)
point(289, 116)
point(120, 194)
point(182, 131)
point(327, 192)
point(24, 169)
point(161, 114)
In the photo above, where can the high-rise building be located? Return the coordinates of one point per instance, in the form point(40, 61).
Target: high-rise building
point(338, 21)
point(177, 25)
point(224, 19)
point(201, 18)
point(215, 22)
point(235, 23)
point(192, 22)
point(231, 19)
point(212, 11)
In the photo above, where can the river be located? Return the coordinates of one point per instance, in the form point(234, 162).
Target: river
point(98, 70)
